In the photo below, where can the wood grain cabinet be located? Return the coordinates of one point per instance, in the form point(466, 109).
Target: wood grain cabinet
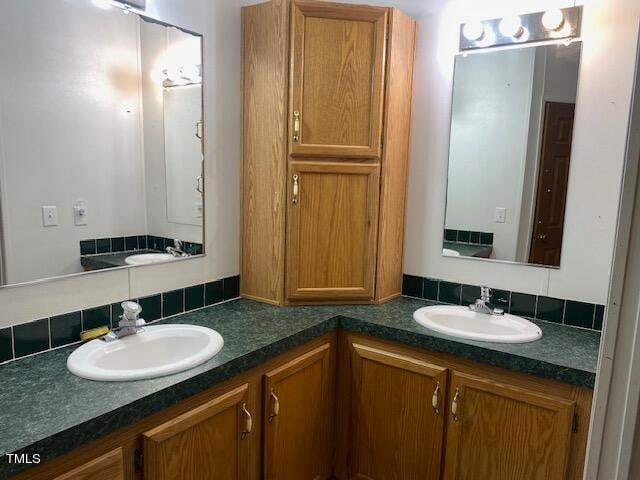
point(412, 415)
point(397, 416)
point(503, 432)
point(209, 441)
point(327, 93)
point(332, 231)
point(298, 418)
point(337, 79)
point(109, 466)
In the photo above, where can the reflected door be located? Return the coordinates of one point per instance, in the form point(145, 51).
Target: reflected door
point(553, 178)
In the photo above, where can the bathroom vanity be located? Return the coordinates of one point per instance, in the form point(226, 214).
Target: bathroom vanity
point(304, 392)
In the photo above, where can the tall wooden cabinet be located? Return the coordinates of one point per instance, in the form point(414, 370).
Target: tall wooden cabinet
point(326, 119)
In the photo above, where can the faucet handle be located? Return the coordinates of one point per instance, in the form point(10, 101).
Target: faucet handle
point(485, 293)
point(130, 310)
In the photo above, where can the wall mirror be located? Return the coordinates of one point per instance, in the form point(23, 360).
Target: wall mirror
point(510, 153)
point(101, 140)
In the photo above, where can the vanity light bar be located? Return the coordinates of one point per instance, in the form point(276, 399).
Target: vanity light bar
point(555, 24)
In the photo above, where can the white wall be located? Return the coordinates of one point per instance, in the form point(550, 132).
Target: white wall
point(609, 32)
point(488, 149)
point(72, 134)
point(219, 21)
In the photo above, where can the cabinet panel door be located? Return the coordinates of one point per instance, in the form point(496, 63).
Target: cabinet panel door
point(109, 466)
point(397, 416)
point(298, 400)
point(332, 230)
point(337, 79)
point(209, 441)
point(505, 432)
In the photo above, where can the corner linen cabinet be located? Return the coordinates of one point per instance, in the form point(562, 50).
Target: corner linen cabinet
point(326, 120)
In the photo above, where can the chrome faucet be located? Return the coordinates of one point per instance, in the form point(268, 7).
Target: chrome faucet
point(484, 305)
point(176, 250)
point(129, 323)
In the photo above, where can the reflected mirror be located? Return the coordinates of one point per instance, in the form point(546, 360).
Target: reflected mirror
point(509, 153)
point(101, 136)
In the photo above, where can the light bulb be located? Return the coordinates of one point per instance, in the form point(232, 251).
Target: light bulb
point(553, 19)
point(473, 31)
point(511, 27)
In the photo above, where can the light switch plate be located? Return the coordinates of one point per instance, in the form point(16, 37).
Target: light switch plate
point(501, 215)
point(49, 216)
point(80, 213)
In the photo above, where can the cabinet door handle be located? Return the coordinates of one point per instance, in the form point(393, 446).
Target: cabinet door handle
point(435, 399)
point(296, 126)
point(296, 189)
point(275, 406)
point(454, 406)
point(248, 422)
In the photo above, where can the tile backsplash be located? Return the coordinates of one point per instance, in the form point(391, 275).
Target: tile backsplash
point(557, 310)
point(98, 246)
point(44, 334)
point(467, 236)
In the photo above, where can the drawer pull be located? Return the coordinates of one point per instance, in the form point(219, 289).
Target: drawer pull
point(296, 126)
point(248, 425)
point(454, 406)
point(275, 406)
point(435, 399)
point(296, 189)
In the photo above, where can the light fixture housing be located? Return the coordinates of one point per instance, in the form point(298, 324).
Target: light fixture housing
point(553, 19)
point(564, 24)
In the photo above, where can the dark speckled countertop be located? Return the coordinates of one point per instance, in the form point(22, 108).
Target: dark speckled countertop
point(470, 249)
point(45, 409)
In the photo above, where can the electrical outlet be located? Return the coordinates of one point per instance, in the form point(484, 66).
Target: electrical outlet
point(501, 215)
point(49, 216)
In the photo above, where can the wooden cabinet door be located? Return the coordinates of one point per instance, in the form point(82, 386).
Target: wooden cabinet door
point(504, 432)
point(397, 416)
point(332, 226)
point(209, 441)
point(298, 419)
point(109, 466)
point(337, 79)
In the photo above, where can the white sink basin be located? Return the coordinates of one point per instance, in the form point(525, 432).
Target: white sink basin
point(153, 352)
point(463, 323)
point(148, 258)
